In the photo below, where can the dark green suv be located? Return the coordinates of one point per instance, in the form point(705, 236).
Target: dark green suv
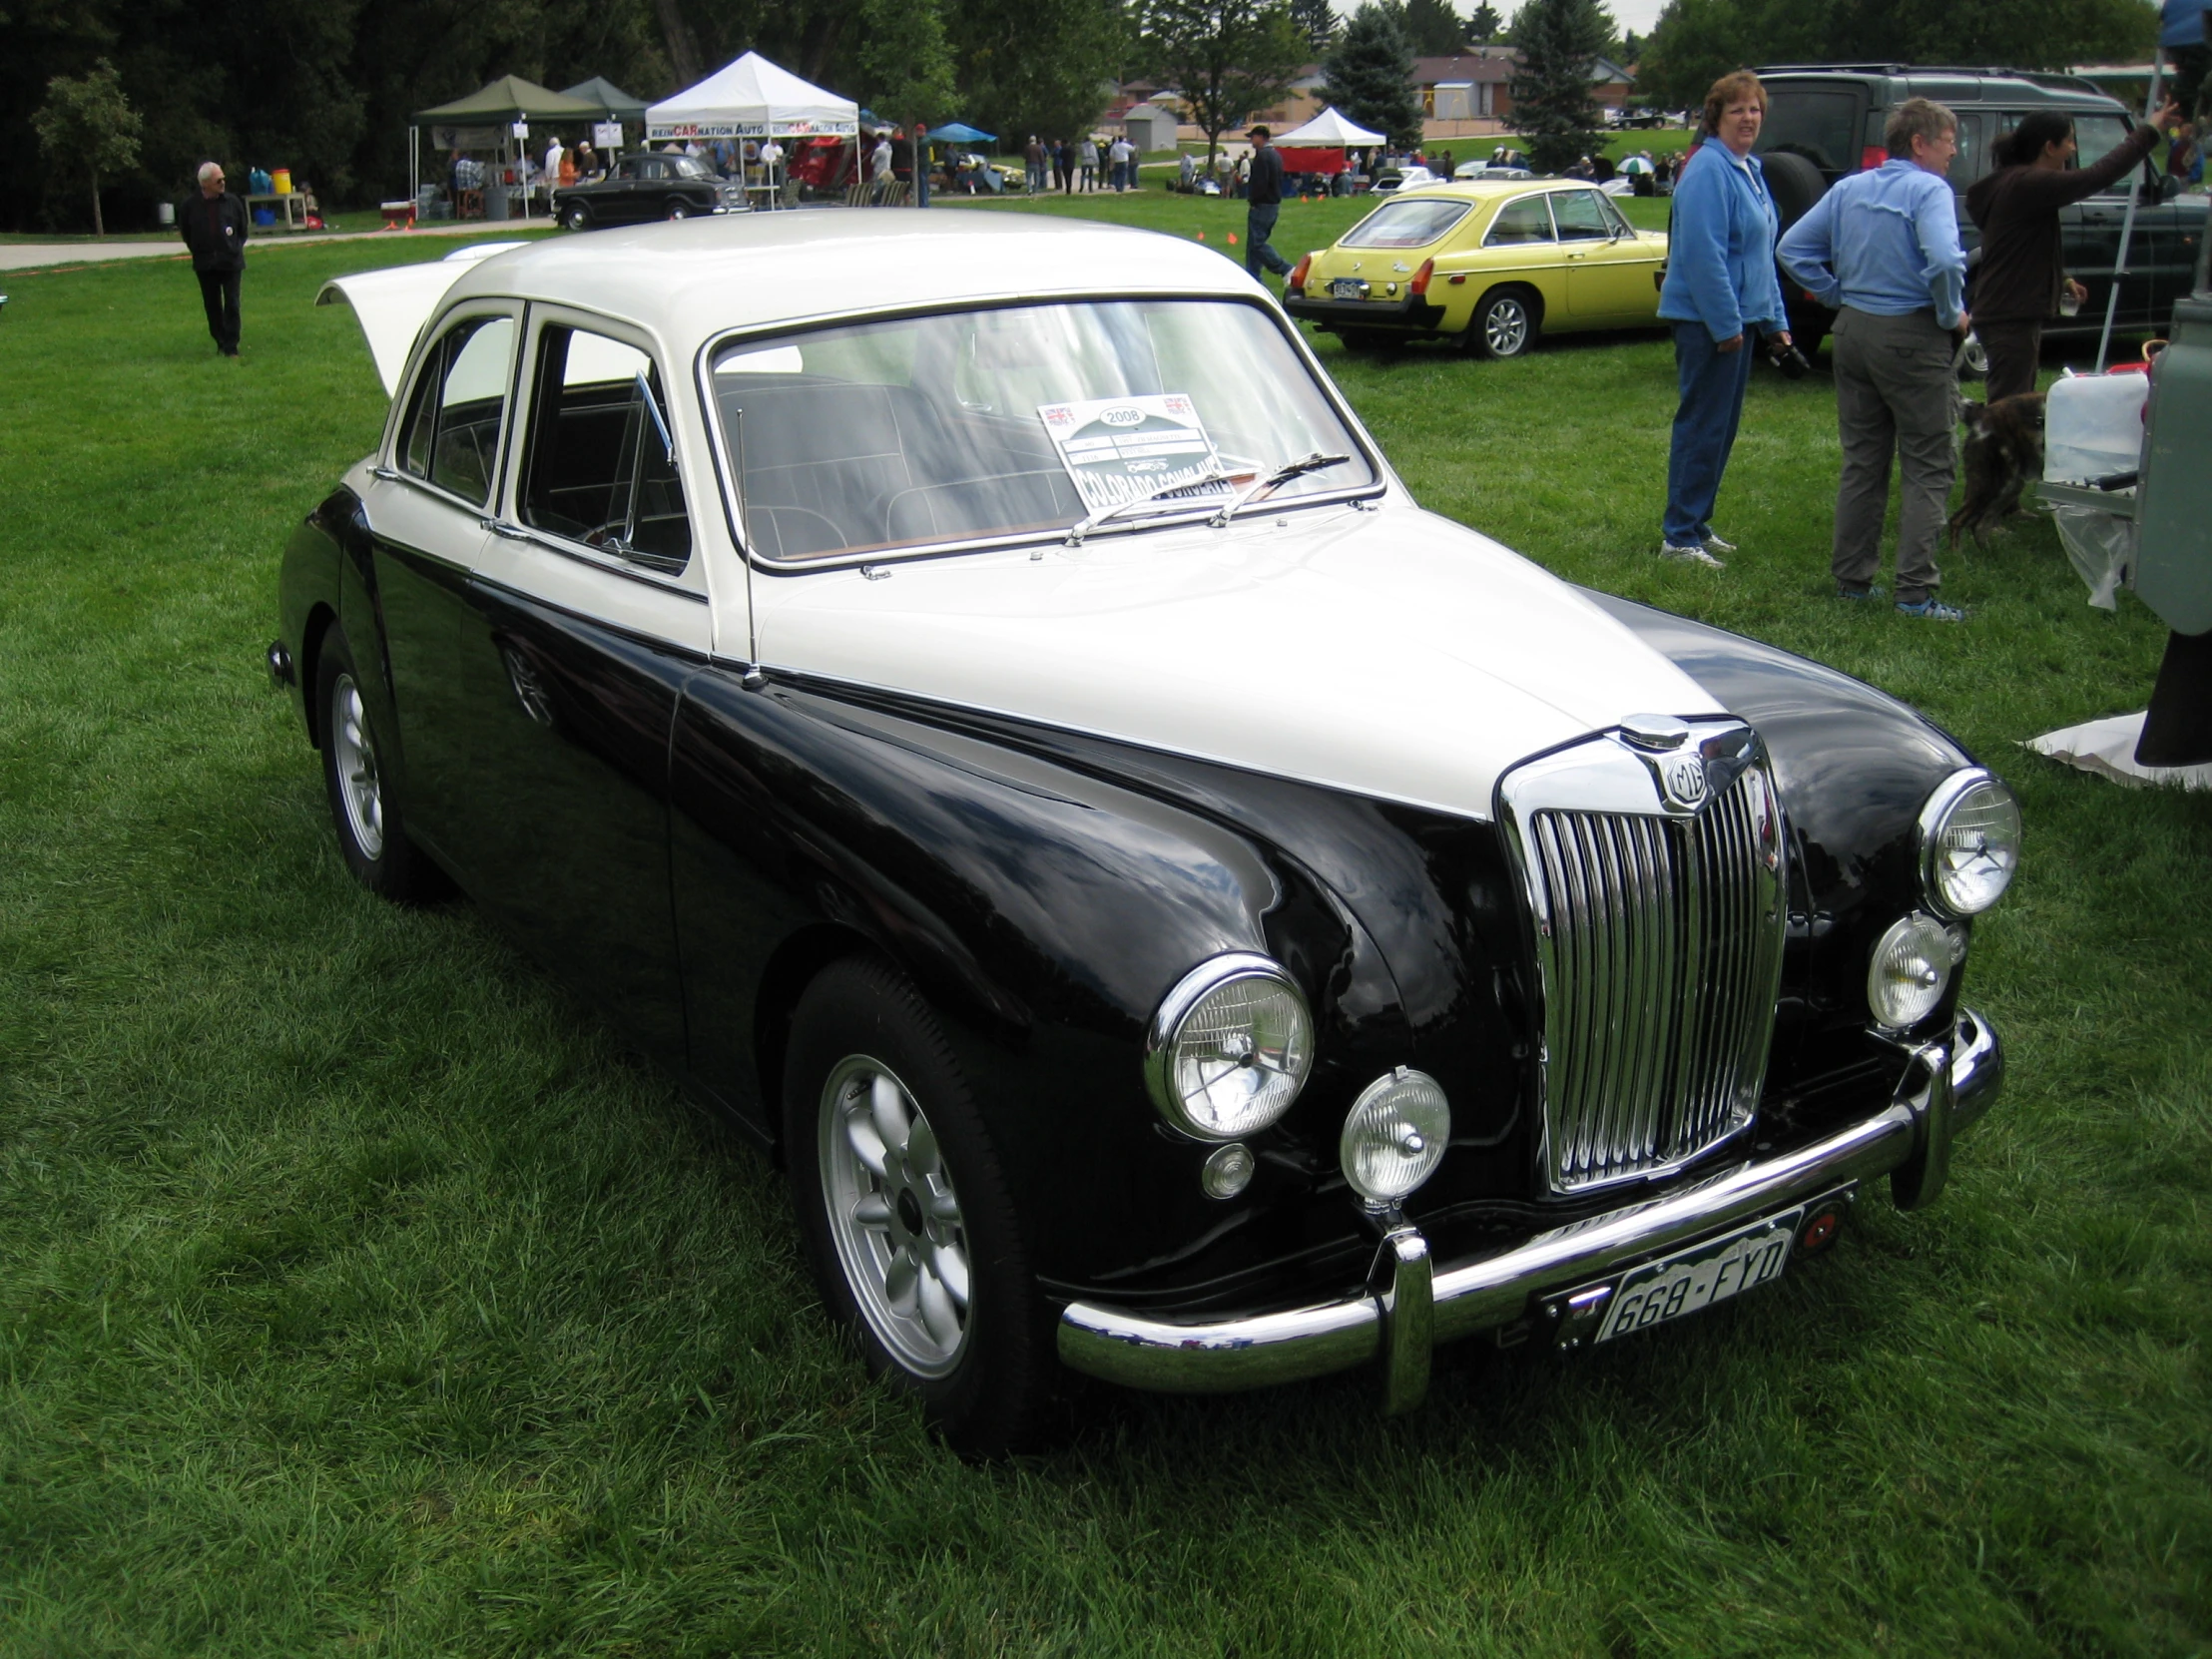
point(1825, 120)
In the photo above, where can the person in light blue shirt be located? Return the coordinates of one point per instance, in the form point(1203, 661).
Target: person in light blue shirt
point(1883, 246)
point(1720, 291)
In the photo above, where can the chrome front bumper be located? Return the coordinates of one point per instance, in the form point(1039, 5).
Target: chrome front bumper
point(1413, 1303)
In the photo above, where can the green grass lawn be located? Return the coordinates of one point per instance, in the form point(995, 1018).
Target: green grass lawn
point(358, 1296)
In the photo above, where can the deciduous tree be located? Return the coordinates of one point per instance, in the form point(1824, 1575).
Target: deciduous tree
point(1227, 58)
point(87, 125)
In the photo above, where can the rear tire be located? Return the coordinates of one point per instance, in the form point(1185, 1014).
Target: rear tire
point(576, 217)
point(1504, 324)
point(372, 831)
point(907, 1213)
point(678, 208)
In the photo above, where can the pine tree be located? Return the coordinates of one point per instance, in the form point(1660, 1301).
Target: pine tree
point(1317, 20)
point(1551, 93)
point(1485, 25)
point(1371, 77)
point(1434, 29)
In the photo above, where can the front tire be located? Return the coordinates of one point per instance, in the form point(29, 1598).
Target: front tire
point(678, 208)
point(1504, 324)
point(576, 217)
point(905, 1211)
point(372, 832)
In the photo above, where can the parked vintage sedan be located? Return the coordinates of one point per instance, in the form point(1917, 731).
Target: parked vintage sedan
point(1489, 265)
point(968, 697)
point(647, 185)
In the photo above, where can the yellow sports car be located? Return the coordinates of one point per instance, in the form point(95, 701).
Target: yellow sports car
point(1490, 265)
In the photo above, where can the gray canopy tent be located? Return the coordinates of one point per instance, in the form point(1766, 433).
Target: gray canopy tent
point(485, 121)
point(618, 105)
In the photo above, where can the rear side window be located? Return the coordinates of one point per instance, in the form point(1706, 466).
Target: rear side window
point(2097, 135)
point(1407, 223)
point(1527, 219)
point(1821, 126)
point(598, 469)
point(461, 399)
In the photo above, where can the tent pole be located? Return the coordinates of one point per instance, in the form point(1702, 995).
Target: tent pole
point(414, 162)
point(2127, 222)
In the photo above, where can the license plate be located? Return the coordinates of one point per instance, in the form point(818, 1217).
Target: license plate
point(1349, 288)
point(1702, 1275)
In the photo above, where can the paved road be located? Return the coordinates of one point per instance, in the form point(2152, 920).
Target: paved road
point(24, 255)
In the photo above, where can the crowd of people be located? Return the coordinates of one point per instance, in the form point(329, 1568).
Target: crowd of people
point(1881, 248)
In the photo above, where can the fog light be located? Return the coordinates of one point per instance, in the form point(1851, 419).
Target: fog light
point(1228, 1170)
point(1394, 1135)
point(1910, 971)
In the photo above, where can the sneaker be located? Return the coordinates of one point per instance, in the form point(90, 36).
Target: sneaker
point(1714, 544)
point(1843, 592)
point(1689, 556)
point(1934, 610)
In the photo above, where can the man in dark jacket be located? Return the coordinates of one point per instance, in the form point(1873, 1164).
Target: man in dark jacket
point(214, 223)
point(2023, 268)
point(1263, 204)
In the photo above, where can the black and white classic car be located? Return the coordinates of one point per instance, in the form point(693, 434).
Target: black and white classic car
point(967, 696)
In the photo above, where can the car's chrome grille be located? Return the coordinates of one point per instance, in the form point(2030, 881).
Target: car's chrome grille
point(1659, 941)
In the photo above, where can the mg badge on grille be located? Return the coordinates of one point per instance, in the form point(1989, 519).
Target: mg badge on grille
point(1684, 777)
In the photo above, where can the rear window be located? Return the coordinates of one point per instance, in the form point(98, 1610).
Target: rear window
point(1823, 127)
point(1407, 223)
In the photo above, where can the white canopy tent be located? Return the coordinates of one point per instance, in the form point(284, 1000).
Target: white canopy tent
point(1330, 130)
point(751, 98)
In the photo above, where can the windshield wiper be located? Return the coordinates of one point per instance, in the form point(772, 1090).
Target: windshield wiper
point(1273, 481)
point(1084, 526)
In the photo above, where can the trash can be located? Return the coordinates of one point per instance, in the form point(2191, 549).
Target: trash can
point(165, 214)
point(495, 199)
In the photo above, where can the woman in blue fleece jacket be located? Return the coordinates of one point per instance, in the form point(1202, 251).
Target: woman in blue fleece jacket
point(1720, 289)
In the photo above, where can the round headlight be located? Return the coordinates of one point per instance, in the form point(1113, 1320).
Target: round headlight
point(1394, 1135)
point(1230, 1048)
point(1969, 843)
point(1912, 967)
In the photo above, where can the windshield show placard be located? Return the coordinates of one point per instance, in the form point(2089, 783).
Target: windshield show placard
point(1120, 450)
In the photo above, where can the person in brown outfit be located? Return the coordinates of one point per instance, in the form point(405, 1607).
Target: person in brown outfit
point(2023, 269)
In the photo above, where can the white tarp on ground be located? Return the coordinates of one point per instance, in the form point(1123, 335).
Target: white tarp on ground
point(2107, 748)
point(751, 98)
point(1329, 131)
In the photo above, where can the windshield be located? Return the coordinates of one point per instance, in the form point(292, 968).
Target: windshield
point(1410, 223)
point(1020, 421)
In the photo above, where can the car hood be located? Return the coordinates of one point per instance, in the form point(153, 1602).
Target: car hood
point(1391, 653)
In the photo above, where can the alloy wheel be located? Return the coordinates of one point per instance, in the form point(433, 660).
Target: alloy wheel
point(1504, 326)
point(356, 754)
point(895, 1217)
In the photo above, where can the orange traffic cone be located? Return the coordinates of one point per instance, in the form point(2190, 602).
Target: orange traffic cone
point(1202, 236)
point(1231, 239)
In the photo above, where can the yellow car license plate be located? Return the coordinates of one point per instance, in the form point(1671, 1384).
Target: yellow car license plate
point(1349, 288)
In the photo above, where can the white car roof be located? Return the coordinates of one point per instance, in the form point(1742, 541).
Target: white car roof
point(689, 281)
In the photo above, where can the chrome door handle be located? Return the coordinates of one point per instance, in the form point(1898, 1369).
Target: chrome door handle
point(386, 476)
point(512, 532)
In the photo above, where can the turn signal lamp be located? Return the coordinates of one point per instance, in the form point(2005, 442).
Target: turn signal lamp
point(1419, 287)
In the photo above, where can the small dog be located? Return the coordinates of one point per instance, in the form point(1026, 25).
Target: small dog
point(2003, 454)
